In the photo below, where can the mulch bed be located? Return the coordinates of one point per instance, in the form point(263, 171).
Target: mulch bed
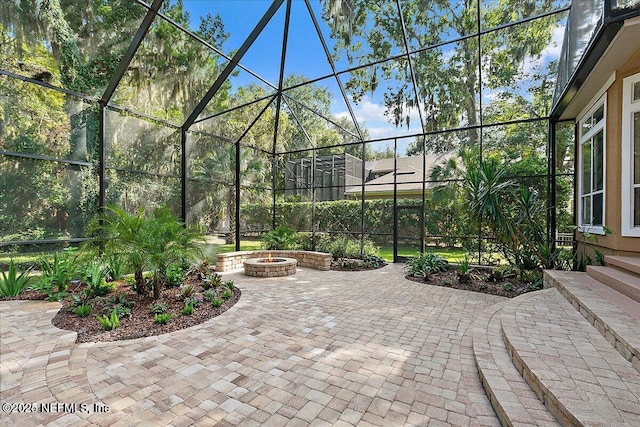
point(140, 323)
point(509, 288)
point(352, 265)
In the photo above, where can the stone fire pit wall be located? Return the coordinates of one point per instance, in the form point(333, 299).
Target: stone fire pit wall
point(256, 267)
point(234, 260)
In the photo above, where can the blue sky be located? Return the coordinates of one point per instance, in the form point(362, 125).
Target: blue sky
point(305, 55)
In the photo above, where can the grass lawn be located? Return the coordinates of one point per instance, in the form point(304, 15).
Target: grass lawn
point(451, 254)
point(210, 250)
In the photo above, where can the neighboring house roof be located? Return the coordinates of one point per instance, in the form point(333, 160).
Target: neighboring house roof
point(408, 176)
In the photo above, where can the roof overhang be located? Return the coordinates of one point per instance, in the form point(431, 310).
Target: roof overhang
point(607, 52)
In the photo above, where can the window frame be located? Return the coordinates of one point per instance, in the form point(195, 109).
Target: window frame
point(589, 137)
point(629, 108)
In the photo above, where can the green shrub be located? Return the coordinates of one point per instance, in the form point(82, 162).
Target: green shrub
point(12, 283)
point(194, 300)
point(187, 291)
point(211, 280)
point(158, 308)
point(175, 275)
point(95, 276)
point(229, 285)
point(426, 264)
point(109, 322)
point(305, 240)
point(119, 304)
point(210, 294)
point(373, 261)
point(226, 294)
point(283, 238)
point(162, 318)
point(216, 302)
point(465, 270)
point(116, 264)
point(187, 310)
point(82, 310)
point(56, 275)
point(345, 247)
point(501, 272)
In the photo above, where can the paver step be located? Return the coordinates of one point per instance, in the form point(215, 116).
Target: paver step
point(512, 398)
point(614, 315)
point(571, 367)
point(631, 264)
point(623, 282)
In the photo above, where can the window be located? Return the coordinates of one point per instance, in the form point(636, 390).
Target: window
point(592, 164)
point(631, 156)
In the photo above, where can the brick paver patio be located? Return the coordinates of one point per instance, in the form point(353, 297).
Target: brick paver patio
point(317, 348)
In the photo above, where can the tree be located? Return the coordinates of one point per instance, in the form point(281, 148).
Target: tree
point(447, 76)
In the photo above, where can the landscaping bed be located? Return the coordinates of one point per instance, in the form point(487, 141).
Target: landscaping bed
point(507, 287)
point(139, 320)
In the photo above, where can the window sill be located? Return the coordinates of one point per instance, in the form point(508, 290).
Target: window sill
point(599, 230)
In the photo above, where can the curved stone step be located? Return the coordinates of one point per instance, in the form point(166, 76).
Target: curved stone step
point(510, 395)
point(614, 315)
point(571, 367)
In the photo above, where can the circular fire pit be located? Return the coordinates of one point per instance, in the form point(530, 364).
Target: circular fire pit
point(270, 267)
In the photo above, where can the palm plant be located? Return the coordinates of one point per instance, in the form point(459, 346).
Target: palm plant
point(164, 240)
point(119, 231)
point(153, 242)
point(511, 213)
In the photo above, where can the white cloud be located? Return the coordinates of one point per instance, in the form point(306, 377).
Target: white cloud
point(371, 117)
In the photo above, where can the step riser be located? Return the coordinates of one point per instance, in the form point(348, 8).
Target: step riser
point(615, 283)
point(628, 264)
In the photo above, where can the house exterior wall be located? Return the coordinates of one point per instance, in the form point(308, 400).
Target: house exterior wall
point(614, 243)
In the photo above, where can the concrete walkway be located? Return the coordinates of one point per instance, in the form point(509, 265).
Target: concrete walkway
point(317, 348)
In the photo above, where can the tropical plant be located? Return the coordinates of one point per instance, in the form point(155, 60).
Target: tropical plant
point(187, 291)
point(211, 280)
point(465, 270)
point(97, 285)
point(426, 264)
point(119, 304)
point(109, 322)
point(12, 283)
point(158, 308)
point(156, 241)
point(373, 261)
point(116, 264)
point(56, 275)
point(210, 294)
point(175, 275)
point(119, 232)
point(162, 318)
point(194, 300)
point(200, 270)
point(82, 310)
point(282, 237)
point(511, 213)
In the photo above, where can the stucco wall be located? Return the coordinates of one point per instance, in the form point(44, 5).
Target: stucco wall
point(615, 243)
